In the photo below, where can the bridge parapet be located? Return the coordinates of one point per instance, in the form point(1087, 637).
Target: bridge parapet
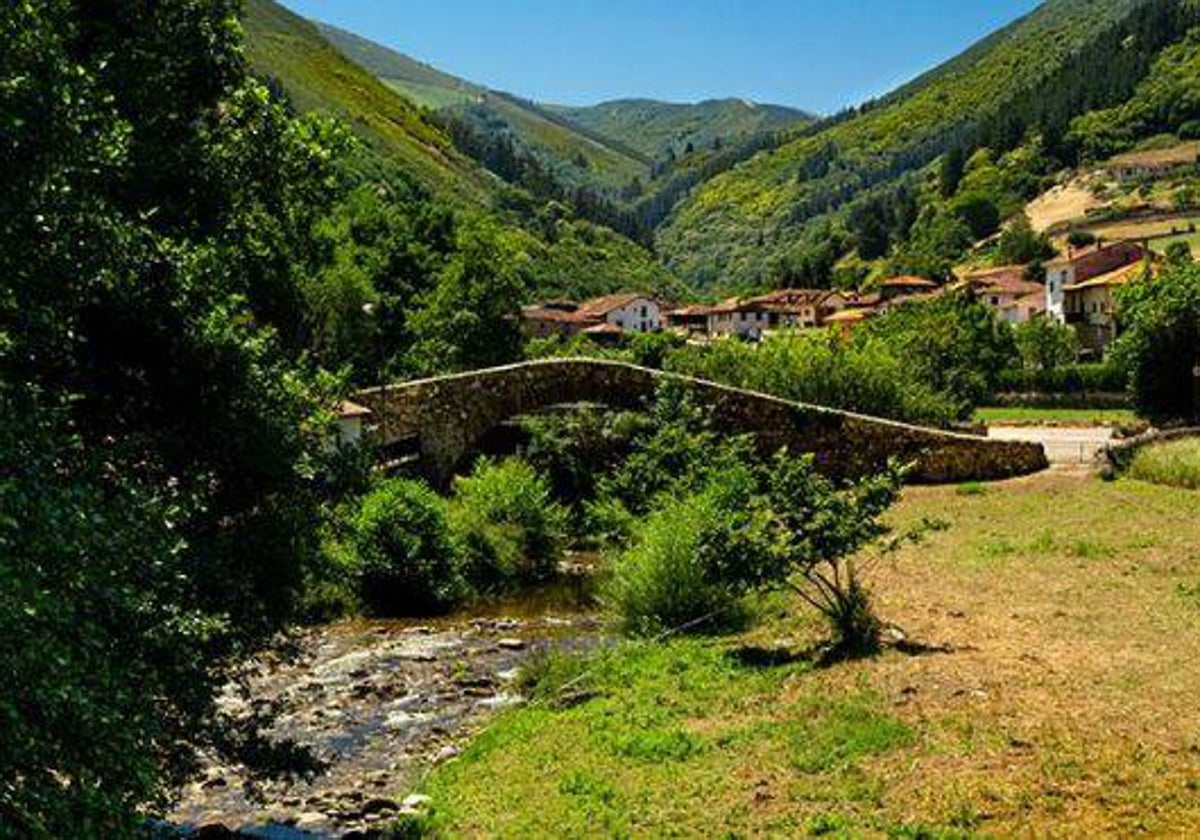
point(448, 415)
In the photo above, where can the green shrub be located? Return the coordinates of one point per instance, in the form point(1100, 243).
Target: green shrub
point(1161, 317)
point(507, 526)
point(820, 368)
point(1109, 376)
point(406, 558)
point(661, 582)
point(1175, 464)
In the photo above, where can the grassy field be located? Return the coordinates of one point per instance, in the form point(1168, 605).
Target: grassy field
point(1174, 464)
point(1066, 705)
point(1058, 416)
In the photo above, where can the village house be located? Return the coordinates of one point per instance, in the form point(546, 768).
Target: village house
point(752, 318)
point(1153, 163)
point(1006, 289)
point(1083, 264)
point(544, 320)
point(351, 420)
point(1090, 306)
point(627, 312)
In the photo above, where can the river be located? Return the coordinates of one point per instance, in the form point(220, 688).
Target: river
point(379, 703)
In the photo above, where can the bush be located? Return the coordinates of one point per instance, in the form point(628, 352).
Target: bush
point(1103, 377)
point(1175, 464)
point(757, 527)
point(1159, 346)
point(820, 368)
point(665, 581)
point(507, 527)
point(406, 559)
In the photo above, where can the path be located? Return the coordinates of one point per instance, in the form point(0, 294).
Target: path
point(1064, 445)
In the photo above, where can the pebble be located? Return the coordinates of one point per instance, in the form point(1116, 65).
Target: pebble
point(511, 644)
point(446, 753)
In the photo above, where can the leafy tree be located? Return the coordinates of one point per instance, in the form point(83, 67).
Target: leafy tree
point(1020, 244)
point(471, 318)
point(951, 173)
point(1045, 344)
point(405, 551)
point(156, 211)
point(1160, 345)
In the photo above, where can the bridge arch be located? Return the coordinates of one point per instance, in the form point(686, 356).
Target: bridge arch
point(443, 419)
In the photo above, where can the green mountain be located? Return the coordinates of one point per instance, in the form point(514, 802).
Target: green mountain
point(575, 155)
point(290, 51)
point(564, 255)
point(654, 128)
point(758, 222)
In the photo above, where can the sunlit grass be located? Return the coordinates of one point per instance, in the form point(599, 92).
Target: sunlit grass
point(1175, 464)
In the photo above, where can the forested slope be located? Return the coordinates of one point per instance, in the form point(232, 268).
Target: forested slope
point(751, 225)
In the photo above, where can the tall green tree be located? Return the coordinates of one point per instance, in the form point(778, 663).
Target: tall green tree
point(471, 318)
point(1160, 345)
point(160, 448)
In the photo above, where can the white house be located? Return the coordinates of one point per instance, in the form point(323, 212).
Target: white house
point(1082, 265)
point(628, 311)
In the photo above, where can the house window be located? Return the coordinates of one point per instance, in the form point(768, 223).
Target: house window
point(995, 301)
point(621, 323)
point(643, 312)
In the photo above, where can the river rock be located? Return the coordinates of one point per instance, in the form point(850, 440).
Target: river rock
point(309, 820)
point(415, 802)
point(511, 644)
point(446, 753)
point(379, 804)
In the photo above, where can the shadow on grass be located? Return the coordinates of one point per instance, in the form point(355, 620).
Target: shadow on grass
point(826, 654)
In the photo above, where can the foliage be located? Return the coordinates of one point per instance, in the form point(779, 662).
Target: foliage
point(953, 345)
point(862, 374)
point(723, 523)
point(1161, 321)
point(572, 450)
point(1175, 464)
point(1165, 102)
point(1044, 344)
point(1019, 244)
point(405, 551)
point(108, 656)
point(506, 524)
point(152, 249)
point(1108, 376)
point(471, 318)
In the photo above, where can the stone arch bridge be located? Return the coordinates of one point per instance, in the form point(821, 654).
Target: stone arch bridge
point(443, 419)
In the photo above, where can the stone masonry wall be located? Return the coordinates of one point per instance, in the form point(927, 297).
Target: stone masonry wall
point(448, 415)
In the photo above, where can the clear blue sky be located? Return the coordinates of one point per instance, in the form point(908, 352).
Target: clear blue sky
point(814, 54)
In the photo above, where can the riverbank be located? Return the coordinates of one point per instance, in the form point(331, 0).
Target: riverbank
point(1060, 701)
point(379, 703)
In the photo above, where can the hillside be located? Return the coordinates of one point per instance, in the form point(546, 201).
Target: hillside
point(654, 127)
point(573, 154)
point(749, 226)
point(291, 51)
